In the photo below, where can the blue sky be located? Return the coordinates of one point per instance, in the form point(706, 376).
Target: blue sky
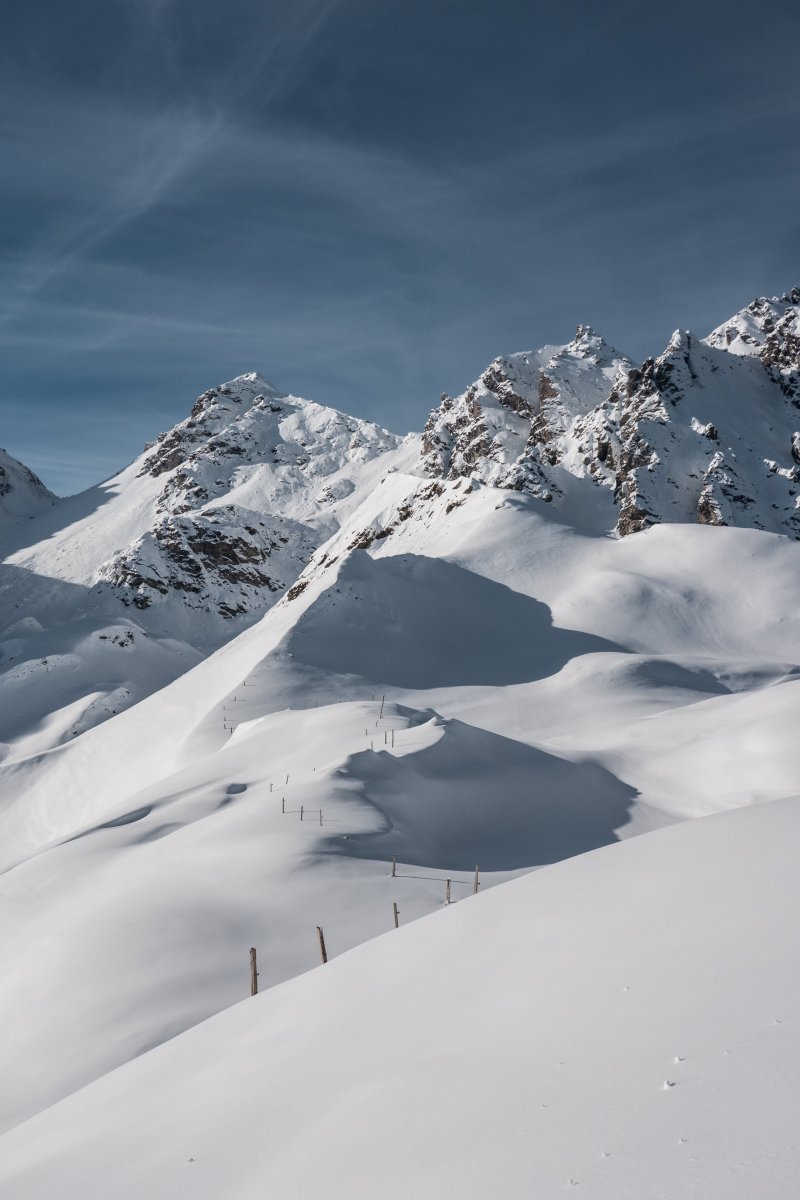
point(368, 200)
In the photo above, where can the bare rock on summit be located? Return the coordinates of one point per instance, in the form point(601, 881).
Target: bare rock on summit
point(704, 433)
point(227, 560)
point(250, 484)
point(516, 422)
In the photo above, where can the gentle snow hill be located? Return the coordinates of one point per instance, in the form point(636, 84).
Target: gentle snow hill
point(624, 1024)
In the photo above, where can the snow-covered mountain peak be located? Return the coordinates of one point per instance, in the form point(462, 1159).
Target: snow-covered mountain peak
point(22, 494)
point(588, 342)
point(765, 319)
point(201, 534)
point(253, 480)
point(768, 329)
point(213, 411)
point(514, 423)
point(704, 432)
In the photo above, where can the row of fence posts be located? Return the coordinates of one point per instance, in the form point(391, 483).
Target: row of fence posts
point(395, 910)
point(323, 953)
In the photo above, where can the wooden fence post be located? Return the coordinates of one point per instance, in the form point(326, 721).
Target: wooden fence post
point(283, 804)
point(301, 812)
point(253, 972)
point(476, 884)
point(396, 915)
point(320, 816)
point(322, 952)
point(447, 898)
point(394, 866)
point(383, 701)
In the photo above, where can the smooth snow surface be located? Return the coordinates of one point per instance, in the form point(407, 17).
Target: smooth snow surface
point(625, 1024)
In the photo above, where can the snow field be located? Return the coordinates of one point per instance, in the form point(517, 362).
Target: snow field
point(534, 717)
point(621, 1023)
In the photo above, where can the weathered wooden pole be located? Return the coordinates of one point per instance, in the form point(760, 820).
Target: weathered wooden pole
point(394, 865)
point(396, 915)
point(383, 701)
point(322, 951)
point(393, 739)
point(253, 972)
point(447, 897)
point(320, 816)
point(301, 812)
point(283, 804)
point(477, 883)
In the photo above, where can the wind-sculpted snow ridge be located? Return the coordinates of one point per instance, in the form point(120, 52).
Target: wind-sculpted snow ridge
point(22, 494)
point(707, 432)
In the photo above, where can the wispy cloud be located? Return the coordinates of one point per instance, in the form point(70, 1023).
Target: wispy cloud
point(368, 201)
point(115, 165)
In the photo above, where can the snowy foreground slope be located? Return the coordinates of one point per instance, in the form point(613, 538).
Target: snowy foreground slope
point(625, 1024)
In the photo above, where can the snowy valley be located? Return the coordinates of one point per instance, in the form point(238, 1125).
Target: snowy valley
point(554, 636)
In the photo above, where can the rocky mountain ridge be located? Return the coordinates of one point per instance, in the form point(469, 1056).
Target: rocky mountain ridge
point(221, 514)
point(250, 484)
point(109, 595)
point(706, 432)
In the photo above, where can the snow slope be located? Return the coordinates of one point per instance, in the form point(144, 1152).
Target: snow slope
point(624, 1024)
point(538, 682)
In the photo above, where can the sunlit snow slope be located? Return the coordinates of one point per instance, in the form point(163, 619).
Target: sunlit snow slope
point(625, 1024)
